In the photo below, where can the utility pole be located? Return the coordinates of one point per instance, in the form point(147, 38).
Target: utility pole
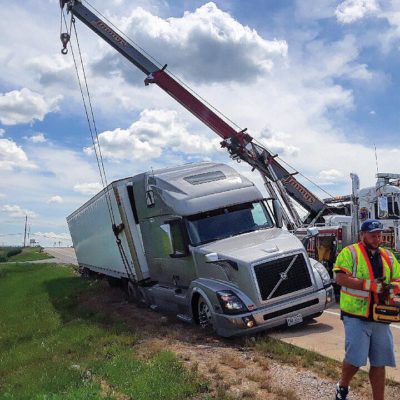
point(26, 223)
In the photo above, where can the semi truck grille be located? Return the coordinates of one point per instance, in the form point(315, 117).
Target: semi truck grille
point(282, 276)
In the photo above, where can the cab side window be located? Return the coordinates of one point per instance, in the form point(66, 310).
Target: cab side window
point(175, 238)
point(178, 238)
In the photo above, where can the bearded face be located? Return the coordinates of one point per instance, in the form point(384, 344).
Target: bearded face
point(371, 240)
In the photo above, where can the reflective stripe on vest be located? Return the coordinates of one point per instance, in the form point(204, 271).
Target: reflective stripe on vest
point(359, 293)
point(388, 257)
point(354, 256)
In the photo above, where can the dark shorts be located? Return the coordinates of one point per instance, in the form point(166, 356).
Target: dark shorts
point(368, 339)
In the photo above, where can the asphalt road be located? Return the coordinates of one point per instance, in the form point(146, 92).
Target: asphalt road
point(65, 255)
point(325, 335)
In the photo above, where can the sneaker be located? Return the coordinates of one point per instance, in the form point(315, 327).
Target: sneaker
point(341, 392)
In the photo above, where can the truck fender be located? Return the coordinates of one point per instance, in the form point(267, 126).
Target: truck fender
point(207, 288)
point(317, 276)
point(194, 299)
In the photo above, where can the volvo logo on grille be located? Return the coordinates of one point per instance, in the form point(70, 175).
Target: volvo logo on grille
point(283, 275)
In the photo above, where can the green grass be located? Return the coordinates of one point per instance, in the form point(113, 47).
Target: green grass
point(30, 254)
point(52, 348)
point(4, 252)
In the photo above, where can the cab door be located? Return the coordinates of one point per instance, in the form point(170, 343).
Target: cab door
point(168, 254)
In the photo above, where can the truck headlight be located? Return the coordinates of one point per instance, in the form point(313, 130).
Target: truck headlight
point(231, 304)
point(326, 279)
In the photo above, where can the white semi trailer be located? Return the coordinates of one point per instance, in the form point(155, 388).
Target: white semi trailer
point(201, 242)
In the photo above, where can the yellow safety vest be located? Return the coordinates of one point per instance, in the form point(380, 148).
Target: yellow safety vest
point(354, 261)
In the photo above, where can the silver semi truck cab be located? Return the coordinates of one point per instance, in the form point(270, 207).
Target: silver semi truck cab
point(202, 243)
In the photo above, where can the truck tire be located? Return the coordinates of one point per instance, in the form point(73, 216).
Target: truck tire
point(86, 273)
point(205, 315)
point(114, 282)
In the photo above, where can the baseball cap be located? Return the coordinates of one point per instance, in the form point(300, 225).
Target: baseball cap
point(371, 225)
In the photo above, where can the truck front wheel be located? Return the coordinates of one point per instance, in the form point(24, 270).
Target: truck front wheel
point(204, 312)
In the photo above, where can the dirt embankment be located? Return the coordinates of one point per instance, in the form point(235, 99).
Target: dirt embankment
point(233, 368)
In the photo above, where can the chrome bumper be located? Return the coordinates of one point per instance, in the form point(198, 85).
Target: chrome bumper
point(272, 316)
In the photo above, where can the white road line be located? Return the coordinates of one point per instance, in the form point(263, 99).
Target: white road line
point(338, 314)
point(331, 312)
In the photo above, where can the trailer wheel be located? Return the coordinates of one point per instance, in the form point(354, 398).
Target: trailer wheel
point(205, 314)
point(86, 273)
point(114, 282)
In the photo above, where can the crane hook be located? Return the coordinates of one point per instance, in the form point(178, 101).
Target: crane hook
point(64, 40)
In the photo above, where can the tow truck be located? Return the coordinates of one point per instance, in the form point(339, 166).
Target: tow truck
point(336, 219)
point(199, 240)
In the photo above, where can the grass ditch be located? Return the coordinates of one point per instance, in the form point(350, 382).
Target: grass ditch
point(22, 254)
point(52, 348)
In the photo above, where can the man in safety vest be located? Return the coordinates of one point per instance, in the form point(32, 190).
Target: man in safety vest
point(364, 271)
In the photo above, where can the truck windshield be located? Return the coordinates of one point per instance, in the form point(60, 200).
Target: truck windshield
point(228, 221)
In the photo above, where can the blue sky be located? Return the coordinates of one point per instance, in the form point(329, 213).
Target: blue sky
point(316, 82)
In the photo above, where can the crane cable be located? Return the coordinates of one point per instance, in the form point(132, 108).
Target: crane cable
point(95, 140)
point(96, 144)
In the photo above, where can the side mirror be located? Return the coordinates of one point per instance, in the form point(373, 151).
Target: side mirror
point(211, 257)
point(278, 213)
point(312, 231)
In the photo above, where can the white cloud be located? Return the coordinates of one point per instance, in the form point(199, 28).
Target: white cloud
point(350, 11)
point(390, 38)
point(88, 188)
point(15, 211)
point(153, 132)
point(353, 10)
point(330, 174)
point(2, 195)
point(64, 167)
point(237, 52)
point(278, 142)
point(24, 106)
point(2, 132)
point(54, 70)
point(337, 59)
point(13, 156)
point(55, 199)
point(38, 138)
point(53, 236)
point(320, 9)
